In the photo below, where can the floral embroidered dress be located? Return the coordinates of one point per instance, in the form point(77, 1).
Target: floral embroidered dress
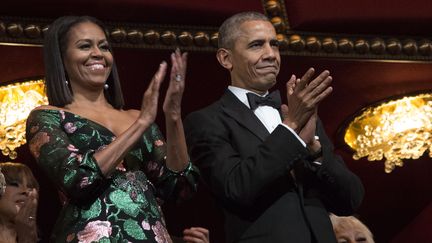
point(122, 208)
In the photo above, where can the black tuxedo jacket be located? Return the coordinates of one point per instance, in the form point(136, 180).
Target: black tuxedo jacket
point(248, 171)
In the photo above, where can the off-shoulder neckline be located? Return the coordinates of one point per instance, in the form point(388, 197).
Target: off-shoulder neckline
point(79, 116)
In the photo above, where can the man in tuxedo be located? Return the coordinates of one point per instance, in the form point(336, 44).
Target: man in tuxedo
point(270, 167)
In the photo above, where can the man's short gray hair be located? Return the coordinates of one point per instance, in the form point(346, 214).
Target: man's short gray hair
point(229, 29)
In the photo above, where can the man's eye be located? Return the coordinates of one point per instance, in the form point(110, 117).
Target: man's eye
point(255, 45)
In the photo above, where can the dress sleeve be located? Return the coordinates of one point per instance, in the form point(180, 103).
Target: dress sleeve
point(75, 172)
point(169, 184)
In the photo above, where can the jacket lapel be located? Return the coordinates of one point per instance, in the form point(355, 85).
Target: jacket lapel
point(234, 108)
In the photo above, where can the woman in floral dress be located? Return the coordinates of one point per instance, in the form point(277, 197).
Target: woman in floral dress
point(111, 165)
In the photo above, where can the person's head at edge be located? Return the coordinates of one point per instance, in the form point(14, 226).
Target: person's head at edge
point(20, 182)
point(350, 230)
point(249, 50)
point(59, 82)
point(2, 183)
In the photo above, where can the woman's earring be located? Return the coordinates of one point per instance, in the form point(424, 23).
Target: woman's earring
point(106, 86)
point(66, 82)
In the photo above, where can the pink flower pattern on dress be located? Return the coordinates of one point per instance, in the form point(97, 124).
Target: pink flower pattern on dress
point(94, 231)
point(158, 143)
point(37, 142)
point(145, 225)
point(101, 147)
point(72, 148)
point(161, 234)
point(84, 182)
point(70, 127)
point(120, 167)
point(62, 115)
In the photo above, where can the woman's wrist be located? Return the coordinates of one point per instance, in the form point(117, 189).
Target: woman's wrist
point(172, 117)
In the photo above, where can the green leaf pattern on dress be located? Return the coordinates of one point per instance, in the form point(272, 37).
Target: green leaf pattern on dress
point(122, 208)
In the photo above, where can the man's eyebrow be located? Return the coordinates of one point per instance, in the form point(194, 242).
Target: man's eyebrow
point(274, 41)
point(256, 40)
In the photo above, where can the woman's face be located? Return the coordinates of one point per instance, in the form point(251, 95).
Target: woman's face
point(87, 59)
point(14, 197)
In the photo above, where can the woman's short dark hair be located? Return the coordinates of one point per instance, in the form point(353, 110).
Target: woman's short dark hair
point(55, 44)
point(15, 172)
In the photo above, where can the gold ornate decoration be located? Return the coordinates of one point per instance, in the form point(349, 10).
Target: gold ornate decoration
point(298, 43)
point(395, 130)
point(16, 102)
point(30, 31)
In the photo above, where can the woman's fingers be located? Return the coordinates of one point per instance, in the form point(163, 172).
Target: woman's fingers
point(158, 77)
point(154, 85)
point(179, 64)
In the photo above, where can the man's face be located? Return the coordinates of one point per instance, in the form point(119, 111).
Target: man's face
point(255, 58)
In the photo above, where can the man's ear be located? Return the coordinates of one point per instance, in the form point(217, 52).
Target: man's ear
point(224, 57)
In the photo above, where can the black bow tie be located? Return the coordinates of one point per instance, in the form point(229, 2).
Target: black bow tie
point(273, 99)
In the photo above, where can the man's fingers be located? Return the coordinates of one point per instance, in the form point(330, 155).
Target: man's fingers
point(323, 94)
point(321, 87)
point(290, 85)
point(319, 79)
point(202, 230)
point(314, 90)
point(305, 79)
point(284, 110)
point(195, 235)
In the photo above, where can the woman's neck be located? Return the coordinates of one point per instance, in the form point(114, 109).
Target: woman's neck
point(7, 233)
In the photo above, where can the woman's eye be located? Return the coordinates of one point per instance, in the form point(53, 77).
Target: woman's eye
point(84, 46)
point(104, 48)
point(16, 184)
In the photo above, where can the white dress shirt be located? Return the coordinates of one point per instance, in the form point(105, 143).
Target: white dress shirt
point(268, 115)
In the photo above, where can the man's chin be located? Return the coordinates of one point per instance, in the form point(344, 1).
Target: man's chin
point(269, 83)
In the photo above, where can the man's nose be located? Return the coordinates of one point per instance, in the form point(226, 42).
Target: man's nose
point(269, 52)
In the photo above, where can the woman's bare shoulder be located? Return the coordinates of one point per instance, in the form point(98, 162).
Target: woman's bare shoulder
point(47, 107)
point(132, 112)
